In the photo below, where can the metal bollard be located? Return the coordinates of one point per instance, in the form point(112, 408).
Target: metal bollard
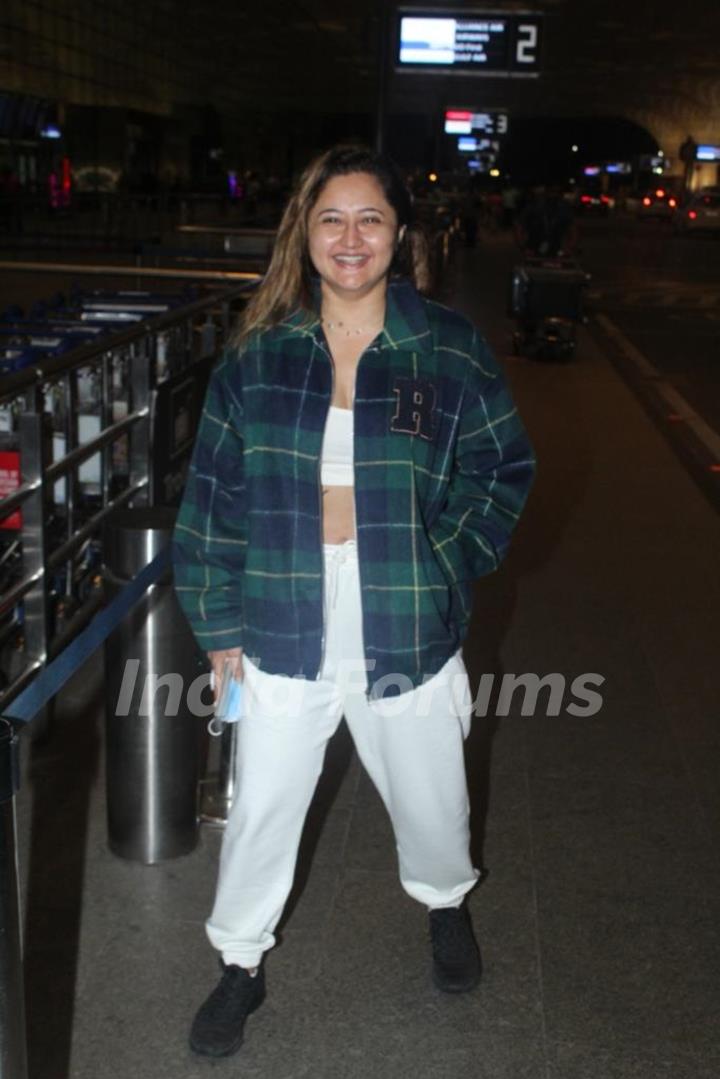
point(13, 1045)
point(154, 741)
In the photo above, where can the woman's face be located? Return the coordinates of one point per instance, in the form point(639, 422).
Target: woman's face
point(352, 235)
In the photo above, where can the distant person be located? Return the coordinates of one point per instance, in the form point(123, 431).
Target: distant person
point(510, 200)
point(359, 463)
point(252, 193)
point(545, 227)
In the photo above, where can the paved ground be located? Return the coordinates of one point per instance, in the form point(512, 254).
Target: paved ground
point(662, 290)
point(599, 834)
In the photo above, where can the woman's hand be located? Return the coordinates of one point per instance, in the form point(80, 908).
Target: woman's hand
point(227, 661)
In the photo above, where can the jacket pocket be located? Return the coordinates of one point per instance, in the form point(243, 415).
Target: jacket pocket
point(436, 585)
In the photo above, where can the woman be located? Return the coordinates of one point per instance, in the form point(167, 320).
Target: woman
point(359, 462)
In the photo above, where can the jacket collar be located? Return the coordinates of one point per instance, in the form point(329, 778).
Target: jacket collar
point(406, 324)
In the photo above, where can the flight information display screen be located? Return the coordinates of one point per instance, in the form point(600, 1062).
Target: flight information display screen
point(470, 44)
point(466, 122)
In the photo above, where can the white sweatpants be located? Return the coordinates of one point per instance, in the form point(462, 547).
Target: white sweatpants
point(411, 746)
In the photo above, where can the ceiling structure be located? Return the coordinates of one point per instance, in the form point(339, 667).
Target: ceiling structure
point(655, 62)
point(652, 61)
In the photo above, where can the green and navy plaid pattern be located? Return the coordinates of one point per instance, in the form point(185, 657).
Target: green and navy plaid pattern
point(442, 470)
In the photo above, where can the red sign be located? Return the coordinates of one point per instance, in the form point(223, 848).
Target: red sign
point(9, 483)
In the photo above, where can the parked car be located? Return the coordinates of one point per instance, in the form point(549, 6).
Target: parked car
point(594, 202)
point(702, 212)
point(658, 202)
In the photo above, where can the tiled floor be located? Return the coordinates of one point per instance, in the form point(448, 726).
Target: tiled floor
point(598, 916)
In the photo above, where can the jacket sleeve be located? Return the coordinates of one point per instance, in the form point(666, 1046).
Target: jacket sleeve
point(210, 536)
point(491, 475)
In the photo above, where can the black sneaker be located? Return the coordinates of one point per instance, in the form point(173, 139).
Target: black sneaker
point(217, 1029)
point(456, 957)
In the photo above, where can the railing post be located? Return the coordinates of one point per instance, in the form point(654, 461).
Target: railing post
point(153, 739)
point(142, 380)
point(35, 440)
point(34, 435)
point(13, 1044)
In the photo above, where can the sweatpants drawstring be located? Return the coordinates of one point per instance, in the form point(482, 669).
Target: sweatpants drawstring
point(336, 555)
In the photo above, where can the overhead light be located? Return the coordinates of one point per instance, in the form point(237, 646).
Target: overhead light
point(574, 148)
point(432, 177)
point(495, 172)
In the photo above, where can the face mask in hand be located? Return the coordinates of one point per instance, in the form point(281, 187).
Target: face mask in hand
point(229, 706)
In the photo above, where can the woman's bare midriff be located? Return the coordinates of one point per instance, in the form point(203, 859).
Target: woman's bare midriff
point(338, 505)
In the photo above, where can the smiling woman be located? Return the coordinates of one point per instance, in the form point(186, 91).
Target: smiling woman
point(359, 461)
point(352, 237)
point(291, 280)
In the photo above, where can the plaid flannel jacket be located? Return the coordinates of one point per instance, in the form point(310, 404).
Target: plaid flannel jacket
point(442, 470)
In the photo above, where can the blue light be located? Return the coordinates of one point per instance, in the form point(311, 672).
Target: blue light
point(51, 132)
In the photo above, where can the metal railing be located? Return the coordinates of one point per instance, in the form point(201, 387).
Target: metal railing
point(210, 246)
point(83, 430)
point(13, 1035)
point(114, 216)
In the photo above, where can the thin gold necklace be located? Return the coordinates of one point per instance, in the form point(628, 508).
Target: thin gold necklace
point(349, 331)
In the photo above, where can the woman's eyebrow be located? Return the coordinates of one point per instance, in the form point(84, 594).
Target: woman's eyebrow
point(362, 210)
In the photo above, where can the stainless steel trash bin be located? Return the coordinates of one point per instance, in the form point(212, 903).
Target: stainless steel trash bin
point(153, 741)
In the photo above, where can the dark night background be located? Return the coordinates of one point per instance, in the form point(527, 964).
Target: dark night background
point(149, 145)
point(183, 92)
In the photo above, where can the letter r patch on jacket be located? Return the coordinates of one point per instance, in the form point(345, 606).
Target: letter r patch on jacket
point(415, 412)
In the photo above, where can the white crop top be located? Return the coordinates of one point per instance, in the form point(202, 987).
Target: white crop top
point(336, 463)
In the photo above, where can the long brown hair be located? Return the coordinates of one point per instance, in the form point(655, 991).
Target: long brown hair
point(287, 284)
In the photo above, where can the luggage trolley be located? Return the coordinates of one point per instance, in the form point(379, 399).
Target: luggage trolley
point(126, 304)
point(32, 342)
point(546, 302)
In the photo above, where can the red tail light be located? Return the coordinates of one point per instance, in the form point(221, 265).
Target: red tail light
point(647, 201)
point(585, 198)
point(692, 214)
point(672, 202)
point(604, 198)
point(660, 193)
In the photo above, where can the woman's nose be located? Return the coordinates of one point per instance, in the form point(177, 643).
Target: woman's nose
point(351, 234)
